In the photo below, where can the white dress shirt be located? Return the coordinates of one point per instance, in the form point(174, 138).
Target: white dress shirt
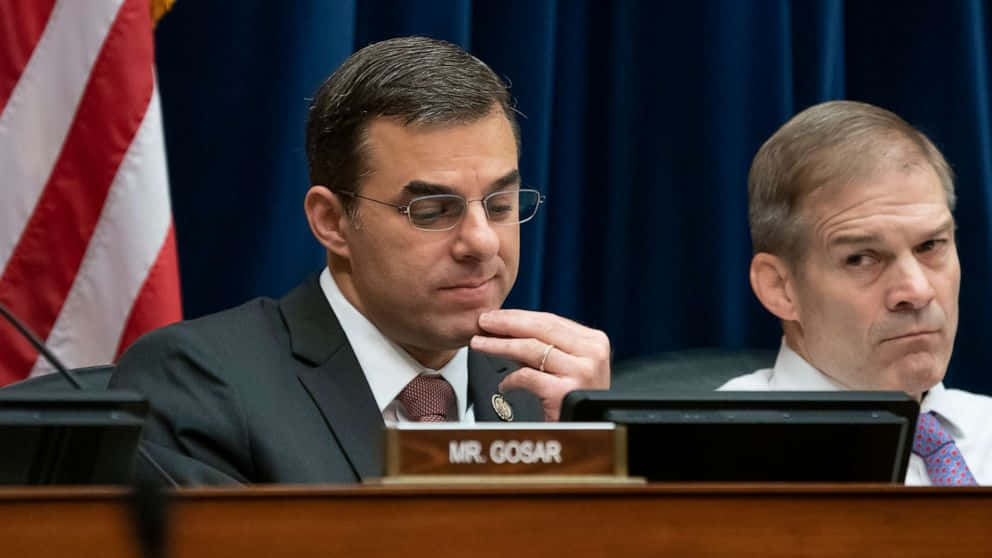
point(387, 367)
point(967, 417)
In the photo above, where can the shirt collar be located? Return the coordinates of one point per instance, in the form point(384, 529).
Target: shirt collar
point(387, 367)
point(793, 373)
point(938, 401)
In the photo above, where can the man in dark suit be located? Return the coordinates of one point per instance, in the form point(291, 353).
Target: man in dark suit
point(413, 147)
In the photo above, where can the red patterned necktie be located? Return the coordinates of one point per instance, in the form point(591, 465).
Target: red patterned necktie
point(427, 398)
point(945, 464)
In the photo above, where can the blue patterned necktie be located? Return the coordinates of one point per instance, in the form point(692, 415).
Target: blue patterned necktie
point(945, 464)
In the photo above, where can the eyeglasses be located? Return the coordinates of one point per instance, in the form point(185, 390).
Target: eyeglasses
point(442, 212)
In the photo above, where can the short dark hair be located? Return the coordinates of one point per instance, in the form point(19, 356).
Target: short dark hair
point(417, 80)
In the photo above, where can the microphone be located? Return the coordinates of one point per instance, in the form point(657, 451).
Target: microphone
point(71, 378)
point(40, 347)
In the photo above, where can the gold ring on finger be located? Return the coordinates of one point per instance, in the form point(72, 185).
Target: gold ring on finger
point(544, 357)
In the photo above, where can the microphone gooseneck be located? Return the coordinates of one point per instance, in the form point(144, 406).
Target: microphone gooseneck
point(71, 378)
point(40, 347)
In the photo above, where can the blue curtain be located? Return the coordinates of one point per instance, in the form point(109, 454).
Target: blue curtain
point(641, 119)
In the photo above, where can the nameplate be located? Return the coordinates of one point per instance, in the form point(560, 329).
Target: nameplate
point(446, 451)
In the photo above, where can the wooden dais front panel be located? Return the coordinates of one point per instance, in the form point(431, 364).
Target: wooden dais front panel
point(651, 520)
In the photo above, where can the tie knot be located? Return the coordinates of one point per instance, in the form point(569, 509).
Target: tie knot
point(930, 435)
point(427, 398)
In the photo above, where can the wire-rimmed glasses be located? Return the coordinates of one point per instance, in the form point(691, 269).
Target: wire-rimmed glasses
point(443, 212)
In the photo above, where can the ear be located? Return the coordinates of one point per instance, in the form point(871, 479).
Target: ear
point(329, 222)
point(774, 284)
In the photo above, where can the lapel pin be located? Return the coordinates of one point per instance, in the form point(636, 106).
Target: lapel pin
point(502, 407)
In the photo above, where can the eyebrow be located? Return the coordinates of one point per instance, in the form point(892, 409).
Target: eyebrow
point(422, 188)
point(851, 239)
point(858, 239)
point(947, 226)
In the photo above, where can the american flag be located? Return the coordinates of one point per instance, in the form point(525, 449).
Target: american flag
point(87, 249)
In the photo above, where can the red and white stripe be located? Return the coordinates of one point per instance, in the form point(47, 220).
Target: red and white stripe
point(87, 249)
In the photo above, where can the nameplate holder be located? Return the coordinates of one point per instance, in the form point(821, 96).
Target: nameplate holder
point(497, 452)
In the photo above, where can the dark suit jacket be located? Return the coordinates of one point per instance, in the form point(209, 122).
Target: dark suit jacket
point(271, 391)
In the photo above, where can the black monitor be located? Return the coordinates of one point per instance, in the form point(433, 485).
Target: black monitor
point(843, 436)
point(69, 437)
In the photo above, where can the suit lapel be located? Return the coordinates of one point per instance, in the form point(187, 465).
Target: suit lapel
point(338, 387)
point(484, 375)
point(333, 378)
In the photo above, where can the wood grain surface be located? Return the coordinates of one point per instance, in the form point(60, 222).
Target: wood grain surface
point(650, 520)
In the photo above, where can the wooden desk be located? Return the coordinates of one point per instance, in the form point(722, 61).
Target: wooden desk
point(505, 521)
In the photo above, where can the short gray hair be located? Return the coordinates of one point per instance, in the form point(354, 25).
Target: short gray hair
point(831, 143)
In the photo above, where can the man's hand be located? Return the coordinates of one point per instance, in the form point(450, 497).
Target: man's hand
point(578, 358)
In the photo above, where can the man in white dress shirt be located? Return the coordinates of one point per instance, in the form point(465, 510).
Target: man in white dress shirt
point(854, 250)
